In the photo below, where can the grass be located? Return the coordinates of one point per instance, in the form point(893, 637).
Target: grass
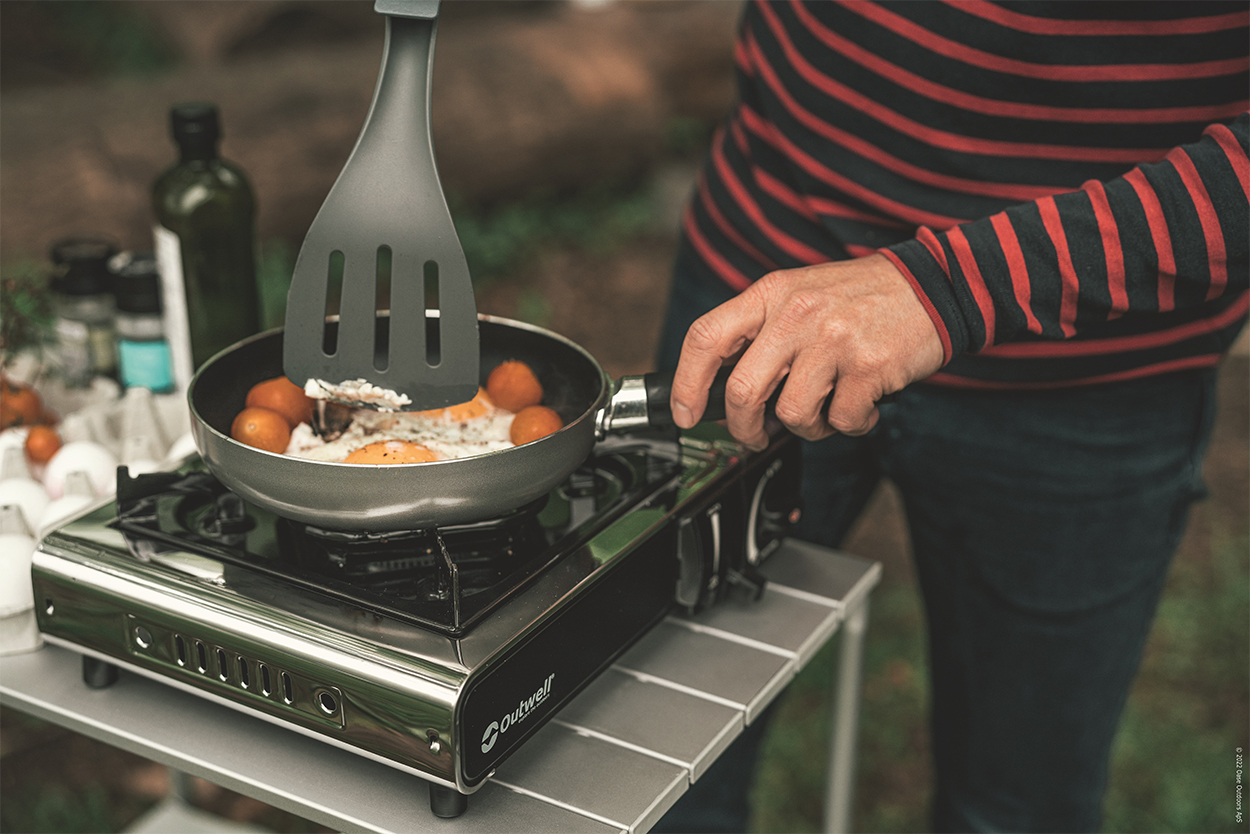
point(1172, 766)
point(891, 793)
point(55, 808)
point(1172, 762)
point(500, 240)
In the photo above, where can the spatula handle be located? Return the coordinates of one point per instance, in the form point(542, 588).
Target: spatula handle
point(424, 9)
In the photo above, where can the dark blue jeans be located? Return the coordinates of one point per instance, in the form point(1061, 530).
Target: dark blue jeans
point(1042, 525)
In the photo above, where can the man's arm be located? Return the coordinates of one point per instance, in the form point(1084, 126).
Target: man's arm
point(1164, 236)
point(1169, 234)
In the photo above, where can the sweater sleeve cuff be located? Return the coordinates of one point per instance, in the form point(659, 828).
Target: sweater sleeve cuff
point(932, 286)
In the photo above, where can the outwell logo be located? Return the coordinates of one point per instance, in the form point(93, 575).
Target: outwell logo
point(522, 712)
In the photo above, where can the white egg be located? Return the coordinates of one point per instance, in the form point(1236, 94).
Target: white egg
point(27, 495)
point(81, 456)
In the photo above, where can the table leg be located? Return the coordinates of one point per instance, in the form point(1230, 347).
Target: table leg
point(839, 789)
point(181, 786)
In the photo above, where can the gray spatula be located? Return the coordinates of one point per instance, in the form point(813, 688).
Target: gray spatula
point(385, 227)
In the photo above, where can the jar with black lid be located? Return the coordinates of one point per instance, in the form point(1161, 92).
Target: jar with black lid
point(83, 297)
point(142, 351)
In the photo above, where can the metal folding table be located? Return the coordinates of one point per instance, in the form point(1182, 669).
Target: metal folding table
point(615, 759)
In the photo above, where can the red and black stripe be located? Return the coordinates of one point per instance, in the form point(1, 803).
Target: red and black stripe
point(1064, 184)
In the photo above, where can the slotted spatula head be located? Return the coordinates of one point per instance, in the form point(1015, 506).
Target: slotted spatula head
point(386, 229)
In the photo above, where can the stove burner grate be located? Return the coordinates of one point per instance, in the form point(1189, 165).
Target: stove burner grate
point(446, 579)
point(411, 564)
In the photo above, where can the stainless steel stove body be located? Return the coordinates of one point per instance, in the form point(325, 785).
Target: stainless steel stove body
point(443, 679)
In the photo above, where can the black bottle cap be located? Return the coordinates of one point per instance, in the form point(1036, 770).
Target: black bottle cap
point(82, 266)
point(196, 127)
point(137, 282)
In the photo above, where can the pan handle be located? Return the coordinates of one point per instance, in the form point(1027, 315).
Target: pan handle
point(642, 402)
point(659, 387)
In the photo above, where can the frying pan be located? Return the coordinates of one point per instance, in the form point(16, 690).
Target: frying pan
point(349, 496)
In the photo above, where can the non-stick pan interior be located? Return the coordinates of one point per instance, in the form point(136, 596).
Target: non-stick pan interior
point(572, 381)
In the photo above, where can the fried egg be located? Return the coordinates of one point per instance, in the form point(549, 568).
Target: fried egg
point(391, 451)
point(472, 428)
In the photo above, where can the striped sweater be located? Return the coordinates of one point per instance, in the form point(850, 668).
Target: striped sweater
point(1064, 184)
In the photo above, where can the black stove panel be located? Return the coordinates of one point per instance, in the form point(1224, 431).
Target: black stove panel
point(516, 696)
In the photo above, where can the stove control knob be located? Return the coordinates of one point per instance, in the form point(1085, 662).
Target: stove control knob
point(773, 506)
point(691, 570)
point(699, 552)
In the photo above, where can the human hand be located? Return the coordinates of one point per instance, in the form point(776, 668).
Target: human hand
point(853, 327)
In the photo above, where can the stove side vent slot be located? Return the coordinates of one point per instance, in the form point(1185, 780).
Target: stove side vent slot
point(245, 672)
point(226, 671)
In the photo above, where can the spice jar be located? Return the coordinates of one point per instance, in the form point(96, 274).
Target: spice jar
point(142, 352)
point(84, 304)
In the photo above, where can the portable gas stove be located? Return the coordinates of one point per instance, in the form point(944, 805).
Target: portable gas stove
point(438, 652)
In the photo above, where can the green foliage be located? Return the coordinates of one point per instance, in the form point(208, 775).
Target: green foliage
point(533, 307)
point(55, 808)
point(497, 241)
point(687, 136)
point(114, 39)
point(273, 278)
point(25, 307)
point(892, 758)
point(788, 794)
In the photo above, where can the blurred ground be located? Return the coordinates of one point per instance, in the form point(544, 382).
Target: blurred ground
point(566, 136)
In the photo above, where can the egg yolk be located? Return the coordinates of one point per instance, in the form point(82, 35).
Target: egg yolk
point(391, 451)
point(463, 412)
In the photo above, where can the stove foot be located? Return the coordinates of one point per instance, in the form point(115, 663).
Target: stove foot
point(98, 674)
point(447, 802)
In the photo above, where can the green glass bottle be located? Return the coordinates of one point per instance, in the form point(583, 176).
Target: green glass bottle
point(205, 244)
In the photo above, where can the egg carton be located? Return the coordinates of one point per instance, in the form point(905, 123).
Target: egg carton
point(144, 431)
